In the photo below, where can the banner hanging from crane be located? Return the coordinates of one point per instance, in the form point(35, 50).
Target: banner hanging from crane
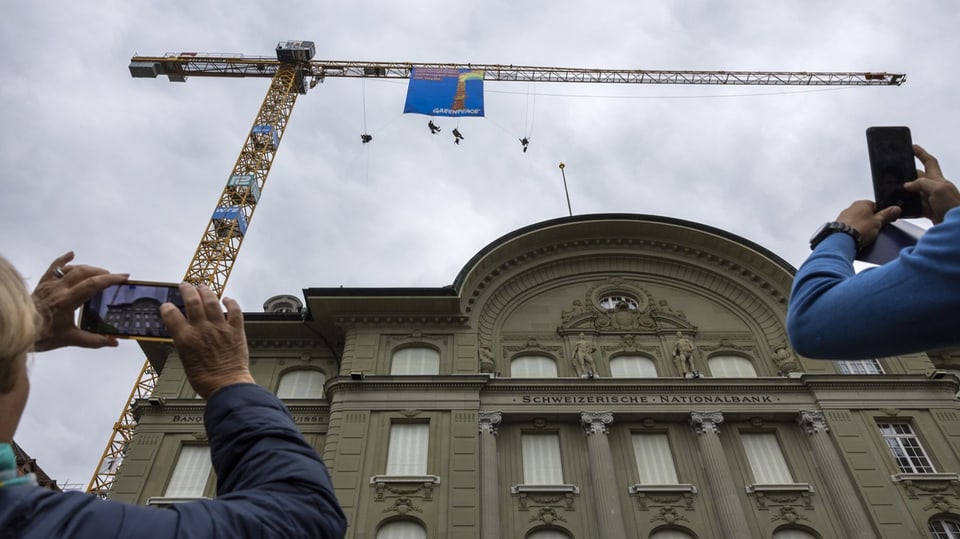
point(442, 91)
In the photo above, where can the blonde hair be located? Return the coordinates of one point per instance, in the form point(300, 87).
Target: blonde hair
point(19, 323)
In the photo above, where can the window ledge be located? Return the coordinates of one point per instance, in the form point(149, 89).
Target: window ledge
point(167, 501)
point(662, 489)
point(774, 488)
point(432, 479)
point(545, 489)
point(901, 477)
point(404, 485)
point(928, 484)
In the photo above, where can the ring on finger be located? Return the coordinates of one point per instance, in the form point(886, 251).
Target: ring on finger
point(58, 272)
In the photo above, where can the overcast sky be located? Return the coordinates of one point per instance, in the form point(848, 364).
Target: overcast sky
point(126, 171)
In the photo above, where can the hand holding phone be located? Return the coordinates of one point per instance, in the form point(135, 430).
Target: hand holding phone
point(130, 310)
point(892, 163)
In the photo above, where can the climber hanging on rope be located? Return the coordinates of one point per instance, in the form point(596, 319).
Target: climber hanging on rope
point(457, 137)
point(366, 138)
point(525, 142)
point(433, 127)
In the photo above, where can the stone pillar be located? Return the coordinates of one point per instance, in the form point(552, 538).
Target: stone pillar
point(733, 521)
point(603, 476)
point(489, 483)
point(856, 524)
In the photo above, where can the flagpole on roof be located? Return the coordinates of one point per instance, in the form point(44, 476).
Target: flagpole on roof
point(565, 191)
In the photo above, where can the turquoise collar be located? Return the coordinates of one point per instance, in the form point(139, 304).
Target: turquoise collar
point(8, 469)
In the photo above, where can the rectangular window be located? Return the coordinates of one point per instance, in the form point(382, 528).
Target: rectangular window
point(191, 472)
point(906, 448)
point(766, 459)
point(407, 453)
point(654, 459)
point(863, 366)
point(541, 459)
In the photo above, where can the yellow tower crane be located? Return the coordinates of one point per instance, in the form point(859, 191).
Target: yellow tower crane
point(292, 72)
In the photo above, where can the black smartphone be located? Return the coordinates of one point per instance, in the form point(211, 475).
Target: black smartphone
point(892, 163)
point(131, 310)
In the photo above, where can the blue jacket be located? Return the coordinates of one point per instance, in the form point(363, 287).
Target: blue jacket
point(911, 304)
point(270, 483)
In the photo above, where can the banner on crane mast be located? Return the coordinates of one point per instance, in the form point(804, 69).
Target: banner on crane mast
point(445, 91)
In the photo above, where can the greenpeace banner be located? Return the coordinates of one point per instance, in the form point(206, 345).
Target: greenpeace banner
point(440, 91)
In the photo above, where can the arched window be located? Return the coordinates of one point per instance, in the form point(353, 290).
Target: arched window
point(301, 384)
point(632, 367)
point(670, 534)
point(402, 529)
point(415, 360)
point(792, 533)
point(944, 528)
point(533, 367)
point(731, 367)
point(548, 534)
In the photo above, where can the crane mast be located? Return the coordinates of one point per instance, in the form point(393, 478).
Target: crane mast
point(292, 72)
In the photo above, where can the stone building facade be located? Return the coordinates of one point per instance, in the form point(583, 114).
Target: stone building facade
point(598, 376)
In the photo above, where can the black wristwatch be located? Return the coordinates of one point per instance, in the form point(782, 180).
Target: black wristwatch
point(833, 226)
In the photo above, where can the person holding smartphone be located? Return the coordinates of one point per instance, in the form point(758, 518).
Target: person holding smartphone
point(270, 481)
point(908, 305)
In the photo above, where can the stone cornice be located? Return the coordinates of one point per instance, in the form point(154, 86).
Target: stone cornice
point(485, 383)
point(456, 321)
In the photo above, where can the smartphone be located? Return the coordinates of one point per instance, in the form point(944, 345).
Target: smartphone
point(131, 310)
point(892, 163)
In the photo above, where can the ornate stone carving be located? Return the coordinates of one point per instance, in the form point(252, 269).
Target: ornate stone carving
point(941, 503)
point(784, 358)
point(669, 515)
point(420, 486)
point(706, 422)
point(812, 421)
point(489, 421)
point(409, 412)
point(918, 485)
point(596, 422)
point(403, 505)
point(789, 514)
point(202, 435)
point(547, 515)
point(487, 359)
point(552, 496)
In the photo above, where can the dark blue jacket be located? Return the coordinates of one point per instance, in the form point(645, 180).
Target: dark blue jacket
point(270, 483)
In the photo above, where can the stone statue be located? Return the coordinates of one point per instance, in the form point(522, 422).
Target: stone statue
point(583, 358)
point(683, 356)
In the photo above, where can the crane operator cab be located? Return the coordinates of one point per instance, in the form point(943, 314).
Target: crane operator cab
point(294, 52)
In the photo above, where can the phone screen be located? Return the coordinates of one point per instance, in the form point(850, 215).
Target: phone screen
point(892, 163)
point(131, 310)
